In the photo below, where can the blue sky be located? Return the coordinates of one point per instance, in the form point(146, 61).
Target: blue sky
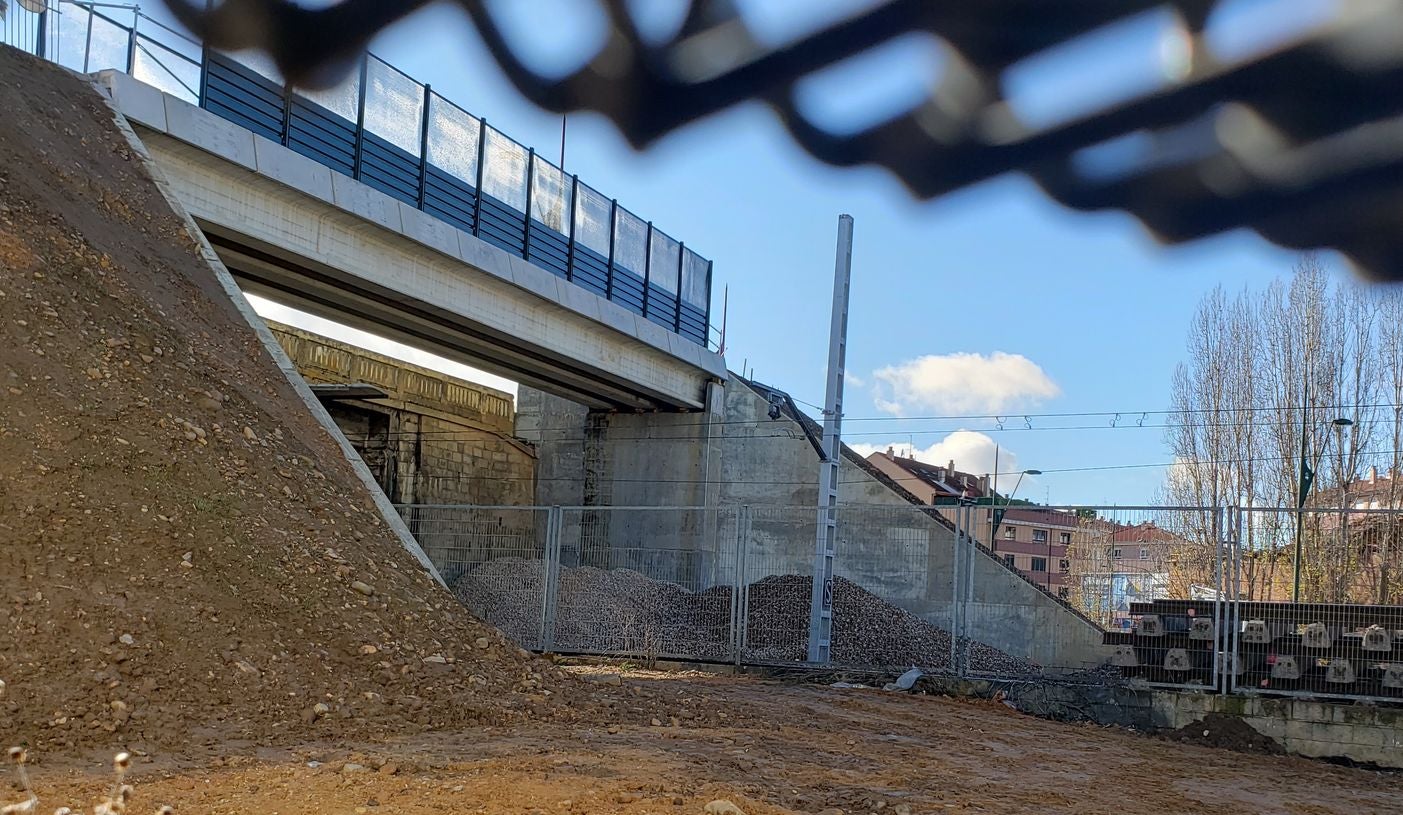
point(1096, 310)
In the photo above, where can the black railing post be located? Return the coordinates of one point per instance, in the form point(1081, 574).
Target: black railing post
point(681, 265)
point(424, 145)
point(613, 229)
point(481, 168)
point(530, 182)
point(706, 317)
point(570, 238)
point(360, 117)
point(647, 266)
point(287, 113)
point(204, 75)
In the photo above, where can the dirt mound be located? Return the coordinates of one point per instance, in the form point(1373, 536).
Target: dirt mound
point(1227, 733)
point(184, 552)
point(624, 611)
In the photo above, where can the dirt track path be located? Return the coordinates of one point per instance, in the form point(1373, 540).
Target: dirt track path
point(792, 749)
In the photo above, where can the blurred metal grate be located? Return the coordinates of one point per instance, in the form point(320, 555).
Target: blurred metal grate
point(1299, 139)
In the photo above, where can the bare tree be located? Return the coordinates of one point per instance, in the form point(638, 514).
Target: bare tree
point(1266, 375)
point(1390, 304)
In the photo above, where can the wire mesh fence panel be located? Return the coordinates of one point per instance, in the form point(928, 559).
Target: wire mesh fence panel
point(645, 582)
point(893, 588)
point(1320, 612)
point(1067, 590)
point(775, 579)
point(494, 560)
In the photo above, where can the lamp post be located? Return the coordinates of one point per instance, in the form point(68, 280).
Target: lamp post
point(996, 518)
point(1307, 479)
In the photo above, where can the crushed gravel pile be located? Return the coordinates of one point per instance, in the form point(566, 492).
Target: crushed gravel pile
point(622, 610)
point(186, 558)
point(599, 610)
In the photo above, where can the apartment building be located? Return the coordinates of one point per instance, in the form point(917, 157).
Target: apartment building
point(1030, 540)
point(1035, 541)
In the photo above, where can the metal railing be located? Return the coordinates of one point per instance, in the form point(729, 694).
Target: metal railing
point(401, 137)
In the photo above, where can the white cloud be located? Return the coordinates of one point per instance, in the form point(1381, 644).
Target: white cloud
point(354, 336)
point(962, 382)
point(972, 452)
point(853, 380)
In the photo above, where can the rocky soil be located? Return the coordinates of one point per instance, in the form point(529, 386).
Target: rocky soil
point(798, 750)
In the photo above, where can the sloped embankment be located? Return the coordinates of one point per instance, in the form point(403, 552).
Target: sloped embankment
point(184, 552)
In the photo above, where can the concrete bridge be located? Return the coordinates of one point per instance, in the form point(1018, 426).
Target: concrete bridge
point(295, 230)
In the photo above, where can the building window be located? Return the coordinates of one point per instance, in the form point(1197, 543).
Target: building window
point(1009, 533)
point(1064, 565)
point(1008, 561)
point(1115, 554)
point(1063, 592)
point(1064, 538)
point(1039, 536)
point(1144, 553)
point(1039, 564)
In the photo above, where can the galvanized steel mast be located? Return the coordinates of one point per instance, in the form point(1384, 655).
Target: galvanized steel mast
point(821, 600)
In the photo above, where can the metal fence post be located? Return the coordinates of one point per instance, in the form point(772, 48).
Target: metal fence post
point(967, 593)
point(1235, 617)
point(739, 590)
point(551, 577)
point(131, 48)
point(957, 607)
point(88, 42)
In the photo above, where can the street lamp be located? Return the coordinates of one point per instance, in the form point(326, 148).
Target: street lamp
point(1307, 479)
point(996, 517)
point(1020, 481)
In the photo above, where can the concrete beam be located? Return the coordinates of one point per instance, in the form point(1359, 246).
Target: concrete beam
point(314, 239)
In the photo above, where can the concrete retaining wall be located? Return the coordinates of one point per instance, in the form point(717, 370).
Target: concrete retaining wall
point(735, 455)
point(1364, 733)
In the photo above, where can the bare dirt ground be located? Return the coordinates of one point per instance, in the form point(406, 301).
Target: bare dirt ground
point(785, 749)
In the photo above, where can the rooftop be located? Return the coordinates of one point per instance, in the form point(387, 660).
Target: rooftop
point(947, 481)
